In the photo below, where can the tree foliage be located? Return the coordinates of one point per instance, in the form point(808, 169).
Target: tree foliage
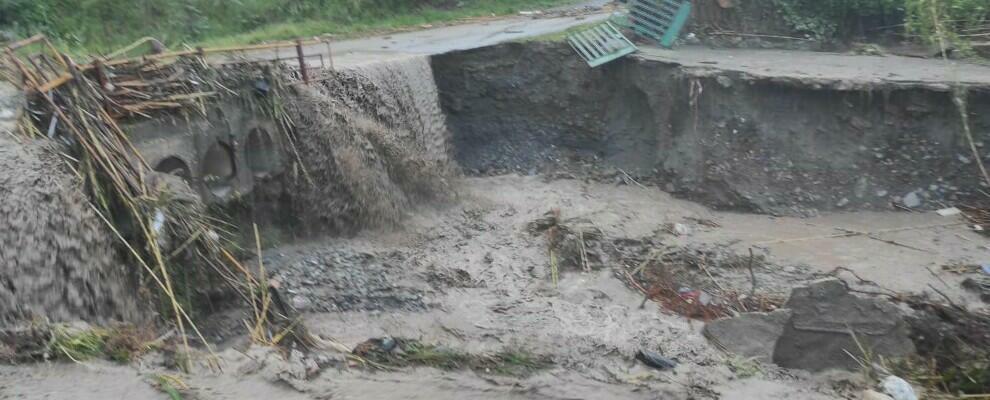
point(827, 19)
point(101, 24)
point(930, 20)
point(947, 22)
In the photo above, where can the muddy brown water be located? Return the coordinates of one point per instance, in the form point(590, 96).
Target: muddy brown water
point(372, 142)
point(57, 259)
point(447, 258)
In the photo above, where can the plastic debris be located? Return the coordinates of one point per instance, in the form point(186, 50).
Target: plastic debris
point(655, 360)
point(948, 212)
point(693, 296)
point(158, 222)
point(681, 230)
point(388, 344)
point(382, 345)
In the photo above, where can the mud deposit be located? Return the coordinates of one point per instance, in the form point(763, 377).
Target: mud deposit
point(728, 139)
point(332, 280)
point(473, 277)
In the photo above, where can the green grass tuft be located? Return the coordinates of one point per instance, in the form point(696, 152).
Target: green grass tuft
point(413, 353)
point(105, 25)
point(119, 344)
point(78, 345)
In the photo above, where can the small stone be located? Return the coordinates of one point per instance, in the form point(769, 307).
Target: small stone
point(312, 367)
point(301, 303)
point(725, 81)
point(882, 193)
point(898, 388)
point(912, 200)
point(842, 203)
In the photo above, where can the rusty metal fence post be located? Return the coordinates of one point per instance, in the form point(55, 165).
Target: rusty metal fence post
point(302, 61)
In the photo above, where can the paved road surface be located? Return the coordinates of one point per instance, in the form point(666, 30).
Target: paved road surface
point(852, 70)
point(444, 39)
point(842, 70)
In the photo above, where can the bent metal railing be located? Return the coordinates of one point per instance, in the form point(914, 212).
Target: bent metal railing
point(600, 44)
point(660, 20)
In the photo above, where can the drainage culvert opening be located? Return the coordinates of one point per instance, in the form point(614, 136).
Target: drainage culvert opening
point(174, 166)
point(219, 169)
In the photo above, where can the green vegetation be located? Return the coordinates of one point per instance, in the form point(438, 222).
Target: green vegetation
point(934, 21)
point(947, 22)
point(78, 346)
point(102, 25)
point(825, 19)
point(417, 354)
point(171, 386)
point(120, 344)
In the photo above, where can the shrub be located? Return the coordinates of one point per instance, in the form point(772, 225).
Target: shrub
point(944, 22)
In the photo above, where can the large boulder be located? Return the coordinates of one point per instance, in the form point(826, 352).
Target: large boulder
point(751, 335)
point(825, 318)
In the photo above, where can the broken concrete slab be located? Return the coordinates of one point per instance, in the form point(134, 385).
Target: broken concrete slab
point(825, 317)
point(750, 335)
point(11, 106)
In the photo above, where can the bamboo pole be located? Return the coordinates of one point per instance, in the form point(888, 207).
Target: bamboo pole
point(65, 77)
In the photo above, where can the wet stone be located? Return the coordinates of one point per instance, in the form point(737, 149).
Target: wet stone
point(818, 335)
point(750, 335)
point(331, 280)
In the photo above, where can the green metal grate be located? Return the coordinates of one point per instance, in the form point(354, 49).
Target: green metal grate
point(660, 20)
point(601, 44)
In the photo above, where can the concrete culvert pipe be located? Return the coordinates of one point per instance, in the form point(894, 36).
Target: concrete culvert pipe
point(218, 169)
point(261, 152)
